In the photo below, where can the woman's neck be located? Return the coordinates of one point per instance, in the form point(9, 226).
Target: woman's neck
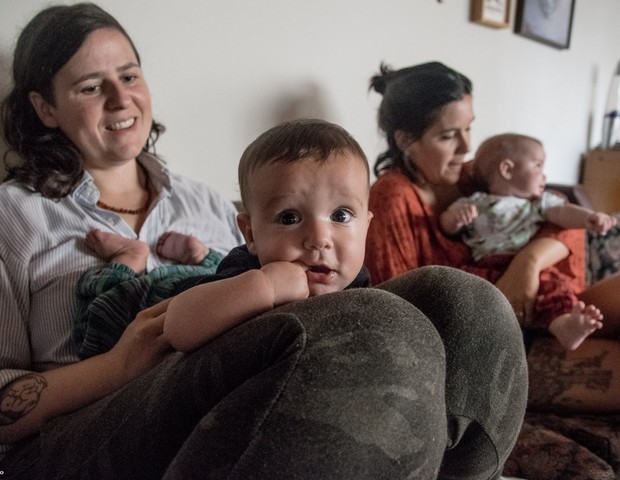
point(438, 197)
point(125, 190)
point(119, 180)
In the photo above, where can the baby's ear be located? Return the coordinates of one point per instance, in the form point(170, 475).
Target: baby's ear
point(245, 225)
point(506, 168)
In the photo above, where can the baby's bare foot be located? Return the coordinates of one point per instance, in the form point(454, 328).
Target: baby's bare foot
point(571, 329)
point(116, 248)
point(185, 249)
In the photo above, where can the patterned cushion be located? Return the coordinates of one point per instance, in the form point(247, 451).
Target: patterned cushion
point(603, 254)
point(579, 447)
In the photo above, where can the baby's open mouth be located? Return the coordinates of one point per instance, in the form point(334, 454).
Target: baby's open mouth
point(319, 269)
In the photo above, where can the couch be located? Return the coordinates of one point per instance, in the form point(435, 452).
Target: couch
point(576, 447)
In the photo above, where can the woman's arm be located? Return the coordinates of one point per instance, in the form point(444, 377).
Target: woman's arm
point(520, 281)
point(205, 311)
point(30, 401)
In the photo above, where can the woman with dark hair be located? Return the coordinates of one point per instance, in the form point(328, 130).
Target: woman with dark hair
point(426, 114)
point(412, 106)
point(49, 162)
point(87, 141)
point(350, 384)
point(79, 125)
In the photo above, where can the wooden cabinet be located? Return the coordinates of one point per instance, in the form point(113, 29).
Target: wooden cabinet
point(601, 179)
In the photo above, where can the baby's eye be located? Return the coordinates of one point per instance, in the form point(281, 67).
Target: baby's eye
point(288, 218)
point(342, 216)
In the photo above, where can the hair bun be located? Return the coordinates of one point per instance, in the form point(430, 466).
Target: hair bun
point(380, 81)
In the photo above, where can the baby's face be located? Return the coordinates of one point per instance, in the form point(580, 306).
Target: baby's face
point(311, 212)
point(529, 179)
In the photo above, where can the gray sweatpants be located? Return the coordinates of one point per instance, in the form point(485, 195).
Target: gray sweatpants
point(359, 384)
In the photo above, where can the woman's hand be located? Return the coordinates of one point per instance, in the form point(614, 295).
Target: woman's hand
point(65, 389)
point(142, 345)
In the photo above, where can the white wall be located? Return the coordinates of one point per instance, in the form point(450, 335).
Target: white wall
point(221, 72)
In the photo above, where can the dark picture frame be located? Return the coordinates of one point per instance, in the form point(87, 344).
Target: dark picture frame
point(546, 21)
point(493, 13)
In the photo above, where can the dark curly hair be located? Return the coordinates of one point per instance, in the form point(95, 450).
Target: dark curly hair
point(413, 99)
point(49, 163)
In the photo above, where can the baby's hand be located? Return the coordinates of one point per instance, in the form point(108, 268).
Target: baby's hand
point(600, 223)
point(288, 281)
point(462, 214)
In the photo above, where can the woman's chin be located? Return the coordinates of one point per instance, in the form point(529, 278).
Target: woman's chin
point(453, 171)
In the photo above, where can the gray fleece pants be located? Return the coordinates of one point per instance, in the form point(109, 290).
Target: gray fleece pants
point(423, 377)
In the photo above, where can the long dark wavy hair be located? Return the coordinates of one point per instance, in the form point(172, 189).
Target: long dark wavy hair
point(413, 99)
point(48, 162)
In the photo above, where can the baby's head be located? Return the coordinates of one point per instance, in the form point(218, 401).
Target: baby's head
point(304, 186)
point(510, 164)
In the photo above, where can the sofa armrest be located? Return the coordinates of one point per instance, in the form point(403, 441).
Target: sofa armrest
point(573, 193)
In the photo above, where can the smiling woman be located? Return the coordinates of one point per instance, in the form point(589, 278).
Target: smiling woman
point(101, 102)
point(78, 120)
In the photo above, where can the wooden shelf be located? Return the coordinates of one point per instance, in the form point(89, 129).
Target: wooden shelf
point(601, 179)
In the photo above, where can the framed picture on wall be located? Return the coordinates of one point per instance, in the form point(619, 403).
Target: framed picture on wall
point(494, 13)
point(546, 21)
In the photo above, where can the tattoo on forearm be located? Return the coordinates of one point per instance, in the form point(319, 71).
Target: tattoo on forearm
point(20, 397)
point(552, 375)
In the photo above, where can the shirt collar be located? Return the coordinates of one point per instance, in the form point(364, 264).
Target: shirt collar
point(159, 177)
